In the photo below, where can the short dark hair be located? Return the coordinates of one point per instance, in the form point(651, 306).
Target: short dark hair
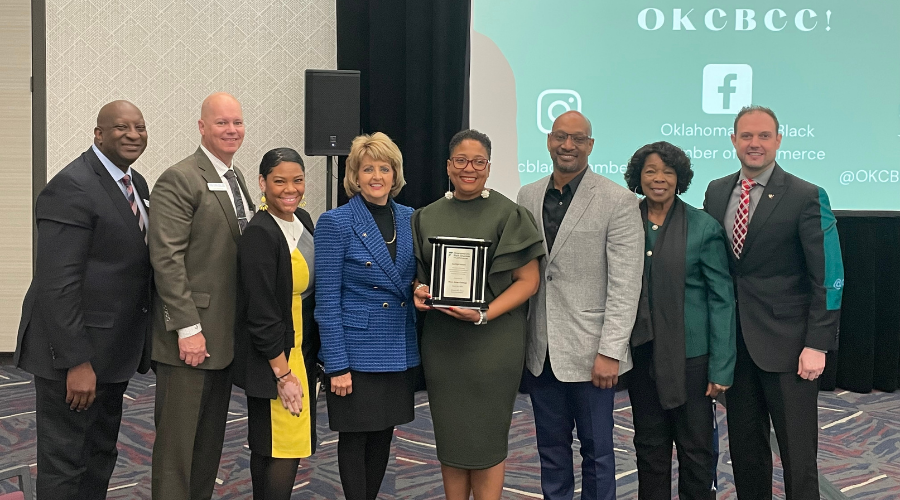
point(752, 109)
point(275, 156)
point(670, 154)
point(474, 135)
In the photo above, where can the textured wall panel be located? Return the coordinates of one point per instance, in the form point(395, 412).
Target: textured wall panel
point(15, 165)
point(166, 56)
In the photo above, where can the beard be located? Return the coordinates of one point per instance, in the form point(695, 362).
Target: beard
point(567, 169)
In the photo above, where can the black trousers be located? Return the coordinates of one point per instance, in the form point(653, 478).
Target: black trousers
point(689, 426)
point(76, 451)
point(790, 402)
point(190, 415)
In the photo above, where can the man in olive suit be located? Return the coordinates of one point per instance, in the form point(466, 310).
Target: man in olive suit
point(201, 205)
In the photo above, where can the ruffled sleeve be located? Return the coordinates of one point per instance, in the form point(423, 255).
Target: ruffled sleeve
point(520, 243)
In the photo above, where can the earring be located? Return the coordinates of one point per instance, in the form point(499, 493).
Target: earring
point(302, 203)
point(262, 202)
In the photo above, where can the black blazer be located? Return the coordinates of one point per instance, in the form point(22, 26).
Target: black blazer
point(264, 326)
point(89, 299)
point(789, 278)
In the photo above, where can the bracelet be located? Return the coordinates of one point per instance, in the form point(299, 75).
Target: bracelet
point(279, 379)
point(420, 285)
point(483, 319)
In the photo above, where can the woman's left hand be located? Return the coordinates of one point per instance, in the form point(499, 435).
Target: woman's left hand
point(470, 315)
point(713, 389)
point(291, 393)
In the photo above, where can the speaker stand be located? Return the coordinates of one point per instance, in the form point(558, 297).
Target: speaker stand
point(329, 184)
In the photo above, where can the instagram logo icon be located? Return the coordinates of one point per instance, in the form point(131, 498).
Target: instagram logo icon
point(553, 102)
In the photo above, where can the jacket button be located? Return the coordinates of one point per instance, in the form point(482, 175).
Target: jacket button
point(649, 253)
point(368, 264)
point(403, 304)
point(385, 305)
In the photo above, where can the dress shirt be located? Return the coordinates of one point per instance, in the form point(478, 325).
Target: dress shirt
point(755, 194)
point(221, 169)
point(117, 175)
point(556, 203)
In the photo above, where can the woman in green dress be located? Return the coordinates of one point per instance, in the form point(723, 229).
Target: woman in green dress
point(473, 359)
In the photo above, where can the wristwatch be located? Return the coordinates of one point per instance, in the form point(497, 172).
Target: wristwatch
point(483, 319)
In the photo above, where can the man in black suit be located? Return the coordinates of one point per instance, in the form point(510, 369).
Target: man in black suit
point(85, 319)
point(788, 275)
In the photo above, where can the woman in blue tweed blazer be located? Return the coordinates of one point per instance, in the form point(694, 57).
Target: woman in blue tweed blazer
point(364, 269)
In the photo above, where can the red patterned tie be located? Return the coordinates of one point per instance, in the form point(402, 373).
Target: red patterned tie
point(741, 218)
point(129, 192)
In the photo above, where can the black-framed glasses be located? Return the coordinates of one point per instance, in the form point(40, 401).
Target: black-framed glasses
point(461, 162)
point(561, 137)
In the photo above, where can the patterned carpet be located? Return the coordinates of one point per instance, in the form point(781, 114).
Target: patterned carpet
point(859, 448)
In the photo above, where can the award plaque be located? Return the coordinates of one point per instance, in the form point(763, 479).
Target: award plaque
point(458, 272)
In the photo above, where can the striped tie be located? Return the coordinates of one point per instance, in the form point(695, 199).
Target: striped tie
point(129, 193)
point(742, 218)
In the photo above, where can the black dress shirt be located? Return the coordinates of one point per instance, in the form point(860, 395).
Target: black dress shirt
point(556, 203)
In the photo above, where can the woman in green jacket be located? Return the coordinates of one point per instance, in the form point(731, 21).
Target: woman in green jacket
point(684, 336)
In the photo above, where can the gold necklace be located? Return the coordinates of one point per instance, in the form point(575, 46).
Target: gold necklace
point(393, 223)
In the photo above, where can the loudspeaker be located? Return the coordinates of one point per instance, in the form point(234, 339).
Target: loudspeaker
point(332, 112)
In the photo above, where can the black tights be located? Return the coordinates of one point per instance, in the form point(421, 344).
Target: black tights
point(362, 461)
point(273, 478)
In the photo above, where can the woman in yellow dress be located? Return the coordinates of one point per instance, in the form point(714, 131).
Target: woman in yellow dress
point(275, 335)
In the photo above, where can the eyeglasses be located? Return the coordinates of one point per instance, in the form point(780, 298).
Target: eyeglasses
point(578, 139)
point(461, 162)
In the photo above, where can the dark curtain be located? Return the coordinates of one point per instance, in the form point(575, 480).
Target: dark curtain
point(869, 353)
point(412, 55)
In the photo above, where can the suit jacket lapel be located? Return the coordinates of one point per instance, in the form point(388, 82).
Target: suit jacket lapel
point(404, 248)
point(115, 194)
point(212, 177)
point(537, 208)
point(722, 198)
point(365, 228)
point(767, 203)
point(580, 202)
point(142, 192)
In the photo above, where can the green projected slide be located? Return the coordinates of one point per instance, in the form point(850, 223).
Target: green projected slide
point(680, 70)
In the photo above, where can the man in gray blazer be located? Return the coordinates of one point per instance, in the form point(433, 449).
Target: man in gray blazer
point(580, 320)
point(201, 205)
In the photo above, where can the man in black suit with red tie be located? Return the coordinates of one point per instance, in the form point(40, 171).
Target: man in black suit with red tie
point(85, 319)
point(788, 275)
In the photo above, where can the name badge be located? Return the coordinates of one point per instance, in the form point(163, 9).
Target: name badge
point(147, 203)
point(216, 186)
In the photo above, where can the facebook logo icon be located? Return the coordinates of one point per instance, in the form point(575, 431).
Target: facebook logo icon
point(727, 88)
